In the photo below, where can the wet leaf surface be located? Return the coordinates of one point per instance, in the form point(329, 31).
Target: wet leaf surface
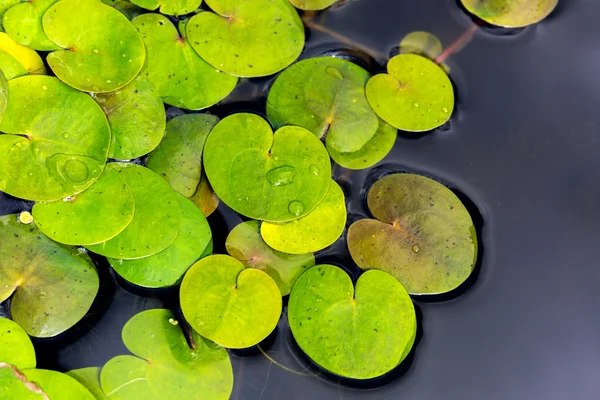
point(17, 60)
point(23, 23)
point(169, 7)
point(15, 346)
point(90, 379)
point(510, 13)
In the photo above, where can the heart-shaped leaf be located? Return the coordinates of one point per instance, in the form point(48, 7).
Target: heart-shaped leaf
point(90, 379)
point(23, 23)
point(415, 95)
point(15, 346)
point(169, 7)
point(233, 306)
point(182, 78)
point(17, 60)
point(357, 333)
point(313, 232)
point(247, 38)
point(178, 159)
point(423, 234)
point(164, 367)
point(40, 384)
point(205, 198)
point(56, 140)
point(52, 286)
point(274, 177)
point(167, 267)
point(245, 244)
point(102, 50)
point(310, 5)
point(510, 13)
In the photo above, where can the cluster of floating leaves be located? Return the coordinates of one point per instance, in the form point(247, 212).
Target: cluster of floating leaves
point(67, 140)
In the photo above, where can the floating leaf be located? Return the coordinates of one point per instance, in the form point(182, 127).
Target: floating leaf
point(164, 367)
point(15, 347)
point(357, 333)
point(423, 234)
point(3, 94)
point(312, 5)
point(90, 379)
point(178, 159)
point(23, 23)
point(245, 244)
point(157, 219)
point(94, 216)
point(415, 95)
point(136, 115)
point(101, 59)
point(56, 140)
point(17, 60)
point(168, 267)
point(274, 177)
point(182, 78)
point(56, 385)
point(205, 198)
point(52, 286)
point(124, 6)
point(325, 95)
point(5, 5)
point(510, 13)
point(169, 7)
point(233, 306)
point(422, 43)
point(247, 38)
point(313, 232)
point(12, 383)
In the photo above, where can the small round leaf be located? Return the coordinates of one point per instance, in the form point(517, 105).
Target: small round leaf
point(15, 346)
point(17, 60)
point(169, 7)
point(310, 5)
point(23, 23)
point(510, 14)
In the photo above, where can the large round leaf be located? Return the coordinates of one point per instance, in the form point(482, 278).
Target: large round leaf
point(275, 177)
point(17, 60)
point(13, 384)
point(182, 78)
point(58, 386)
point(357, 333)
point(245, 244)
point(4, 6)
point(94, 216)
point(423, 234)
point(178, 159)
point(247, 38)
point(233, 306)
point(15, 346)
point(56, 140)
point(205, 198)
point(415, 95)
point(325, 95)
point(52, 286)
point(313, 232)
point(102, 50)
point(90, 379)
point(169, 7)
point(23, 23)
point(167, 267)
point(157, 219)
point(312, 4)
point(164, 367)
point(136, 115)
point(510, 13)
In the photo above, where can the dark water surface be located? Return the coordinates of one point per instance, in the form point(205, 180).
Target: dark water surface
point(523, 149)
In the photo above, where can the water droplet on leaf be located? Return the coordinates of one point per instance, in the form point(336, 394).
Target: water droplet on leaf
point(415, 248)
point(331, 71)
point(313, 169)
point(296, 207)
point(281, 176)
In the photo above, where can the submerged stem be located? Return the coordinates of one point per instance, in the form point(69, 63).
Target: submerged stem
point(186, 329)
point(461, 41)
point(264, 353)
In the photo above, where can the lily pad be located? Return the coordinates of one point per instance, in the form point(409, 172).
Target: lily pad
point(90, 379)
point(58, 386)
point(157, 219)
point(99, 59)
point(4, 6)
point(312, 5)
point(247, 38)
point(136, 115)
point(3, 94)
point(14, 385)
point(313, 232)
point(357, 333)
point(169, 7)
point(245, 244)
point(274, 177)
point(415, 95)
point(15, 346)
point(55, 143)
point(164, 367)
point(23, 23)
point(423, 234)
point(94, 216)
point(124, 6)
point(510, 13)
point(182, 78)
point(17, 60)
point(168, 267)
point(52, 286)
point(423, 43)
point(325, 95)
point(233, 306)
point(205, 198)
point(178, 159)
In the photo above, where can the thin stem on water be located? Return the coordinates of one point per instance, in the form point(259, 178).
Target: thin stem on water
point(460, 42)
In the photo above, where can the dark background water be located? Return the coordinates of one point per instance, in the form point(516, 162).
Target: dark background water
point(523, 148)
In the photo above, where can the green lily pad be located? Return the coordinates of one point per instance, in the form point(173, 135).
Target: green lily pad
point(169, 7)
point(164, 367)
point(55, 143)
point(423, 234)
point(23, 23)
point(313, 232)
point(312, 5)
point(233, 306)
point(15, 346)
point(3, 94)
point(247, 38)
point(4, 6)
point(52, 286)
point(182, 78)
point(13, 384)
point(245, 244)
point(157, 219)
point(422, 43)
point(415, 95)
point(274, 177)
point(325, 95)
point(205, 198)
point(124, 6)
point(178, 159)
point(101, 59)
point(357, 333)
point(168, 267)
point(510, 13)
point(17, 60)
point(90, 379)
point(136, 115)
point(94, 216)
point(58, 386)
